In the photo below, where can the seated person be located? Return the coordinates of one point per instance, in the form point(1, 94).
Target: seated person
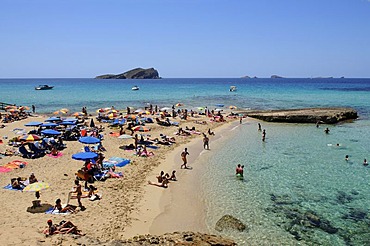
point(54, 151)
point(173, 176)
point(17, 183)
point(60, 209)
point(64, 227)
point(145, 152)
point(163, 184)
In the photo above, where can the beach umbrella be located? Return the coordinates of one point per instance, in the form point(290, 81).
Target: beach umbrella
point(10, 107)
point(65, 123)
point(12, 110)
point(50, 132)
point(78, 114)
point(49, 124)
point(89, 140)
point(30, 138)
point(38, 186)
point(179, 104)
point(218, 110)
point(101, 110)
point(125, 136)
point(83, 156)
point(219, 105)
point(165, 109)
point(33, 123)
point(21, 108)
point(60, 112)
point(66, 110)
point(112, 115)
point(232, 107)
point(141, 129)
point(51, 119)
point(200, 108)
point(131, 117)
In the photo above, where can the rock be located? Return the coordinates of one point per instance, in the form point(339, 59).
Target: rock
point(356, 215)
point(229, 222)
point(137, 73)
point(305, 115)
point(281, 199)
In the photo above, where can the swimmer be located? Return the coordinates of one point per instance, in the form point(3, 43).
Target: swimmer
point(346, 158)
point(365, 162)
point(327, 130)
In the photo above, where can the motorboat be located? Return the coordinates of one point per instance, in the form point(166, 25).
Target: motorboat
point(43, 87)
point(233, 88)
point(135, 88)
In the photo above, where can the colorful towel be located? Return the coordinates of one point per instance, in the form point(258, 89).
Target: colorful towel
point(51, 210)
point(55, 156)
point(114, 134)
point(121, 162)
point(5, 170)
point(9, 187)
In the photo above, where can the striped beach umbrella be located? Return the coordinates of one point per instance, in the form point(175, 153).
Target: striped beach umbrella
point(38, 186)
point(141, 129)
point(30, 138)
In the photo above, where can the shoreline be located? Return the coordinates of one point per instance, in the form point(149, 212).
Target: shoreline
point(181, 206)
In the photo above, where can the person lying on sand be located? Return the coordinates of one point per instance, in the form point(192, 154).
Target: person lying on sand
point(64, 227)
point(58, 206)
point(163, 184)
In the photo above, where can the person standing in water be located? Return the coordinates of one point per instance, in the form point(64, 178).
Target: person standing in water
point(259, 127)
point(263, 135)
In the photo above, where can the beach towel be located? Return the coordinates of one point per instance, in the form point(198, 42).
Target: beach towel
point(120, 162)
point(114, 134)
point(50, 211)
point(152, 147)
point(55, 156)
point(5, 170)
point(85, 194)
point(9, 187)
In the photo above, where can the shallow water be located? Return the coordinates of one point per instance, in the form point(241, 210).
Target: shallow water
point(303, 168)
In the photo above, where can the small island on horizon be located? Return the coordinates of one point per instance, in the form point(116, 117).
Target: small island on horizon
point(136, 73)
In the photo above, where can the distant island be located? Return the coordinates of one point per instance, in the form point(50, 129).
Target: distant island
point(136, 73)
point(276, 77)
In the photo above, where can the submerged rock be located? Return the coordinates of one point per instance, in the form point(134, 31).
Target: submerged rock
point(229, 222)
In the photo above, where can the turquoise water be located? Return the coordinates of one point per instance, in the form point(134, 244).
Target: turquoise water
point(298, 173)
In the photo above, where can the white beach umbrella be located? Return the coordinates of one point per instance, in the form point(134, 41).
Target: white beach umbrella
point(165, 109)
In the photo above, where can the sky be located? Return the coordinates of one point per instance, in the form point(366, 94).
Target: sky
point(185, 38)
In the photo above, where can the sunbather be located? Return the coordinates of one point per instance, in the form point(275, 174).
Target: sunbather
point(163, 184)
point(58, 206)
point(64, 227)
point(17, 183)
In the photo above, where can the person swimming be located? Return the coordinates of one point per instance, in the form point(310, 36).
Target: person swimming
point(365, 162)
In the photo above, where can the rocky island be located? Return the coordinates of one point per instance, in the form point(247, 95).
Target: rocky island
point(305, 115)
point(137, 73)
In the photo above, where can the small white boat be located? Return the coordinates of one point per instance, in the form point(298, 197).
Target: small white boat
point(135, 88)
point(43, 87)
point(233, 88)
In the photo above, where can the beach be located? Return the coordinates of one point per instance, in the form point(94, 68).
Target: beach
point(128, 207)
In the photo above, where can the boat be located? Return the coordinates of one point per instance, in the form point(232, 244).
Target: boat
point(135, 88)
point(43, 87)
point(233, 88)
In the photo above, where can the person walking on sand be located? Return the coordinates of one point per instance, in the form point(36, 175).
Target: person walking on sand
point(205, 141)
point(78, 190)
point(184, 153)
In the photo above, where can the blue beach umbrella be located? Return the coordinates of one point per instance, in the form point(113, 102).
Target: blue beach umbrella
point(33, 123)
point(83, 156)
point(49, 124)
point(50, 132)
point(67, 123)
point(89, 140)
point(219, 105)
point(52, 119)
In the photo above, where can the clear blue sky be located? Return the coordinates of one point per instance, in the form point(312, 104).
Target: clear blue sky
point(185, 38)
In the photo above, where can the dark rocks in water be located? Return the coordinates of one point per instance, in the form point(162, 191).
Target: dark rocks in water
point(281, 199)
point(229, 222)
point(137, 73)
point(343, 198)
point(356, 215)
point(305, 115)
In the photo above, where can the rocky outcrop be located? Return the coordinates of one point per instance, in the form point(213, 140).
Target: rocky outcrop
point(168, 239)
point(306, 115)
point(137, 73)
point(229, 222)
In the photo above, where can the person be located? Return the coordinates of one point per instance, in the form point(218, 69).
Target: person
point(318, 124)
point(240, 120)
point(54, 151)
point(210, 132)
point(64, 227)
point(58, 206)
point(163, 184)
point(346, 158)
point(263, 135)
point(259, 127)
point(327, 130)
point(160, 177)
point(33, 108)
point(184, 153)
point(17, 183)
point(365, 162)
point(205, 142)
point(173, 176)
point(78, 190)
point(239, 170)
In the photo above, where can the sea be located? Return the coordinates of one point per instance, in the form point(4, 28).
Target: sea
point(298, 189)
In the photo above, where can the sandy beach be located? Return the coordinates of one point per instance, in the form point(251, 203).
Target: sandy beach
point(129, 206)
